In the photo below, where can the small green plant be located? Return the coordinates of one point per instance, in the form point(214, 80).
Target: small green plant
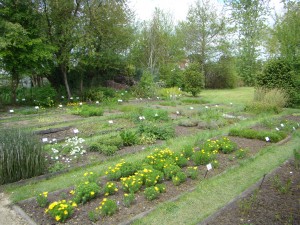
point(56, 167)
point(179, 178)
point(107, 207)
point(187, 151)
point(150, 177)
point(146, 138)
point(162, 187)
point(94, 216)
point(131, 184)
point(215, 164)
point(86, 191)
point(282, 187)
point(61, 210)
point(42, 199)
point(109, 150)
point(122, 169)
point(110, 188)
point(247, 204)
point(210, 145)
point(241, 153)
point(129, 137)
point(297, 158)
point(180, 160)
point(226, 145)
point(192, 172)
point(87, 111)
point(171, 170)
point(151, 193)
point(160, 131)
point(128, 199)
point(203, 157)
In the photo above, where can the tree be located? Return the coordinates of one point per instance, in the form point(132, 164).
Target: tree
point(193, 79)
point(22, 49)
point(249, 17)
point(202, 33)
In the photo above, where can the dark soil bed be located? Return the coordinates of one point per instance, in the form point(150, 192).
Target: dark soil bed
point(268, 203)
point(141, 204)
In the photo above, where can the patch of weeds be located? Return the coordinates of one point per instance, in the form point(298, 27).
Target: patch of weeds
point(247, 204)
point(94, 216)
point(87, 111)
point(56, 167)
point(168, 103)
point(281, 186)
point(128, 199)
point(160, 131)
point(129, 137)
point(188, 122)
point(297, 158)
point(189, 101)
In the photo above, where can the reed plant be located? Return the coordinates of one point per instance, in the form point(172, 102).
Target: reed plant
point(21, 155)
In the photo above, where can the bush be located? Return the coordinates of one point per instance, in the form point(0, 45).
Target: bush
point(179, 178)
point(173, 92)
point(146, 86)
point(193, 79)
point(107, 207)
point(151, 193)
point(274, 136)
point(160, 131)
point(43, 96)
point(128, 199)
point(203, 157)
point(56, 212)
point(21, 155)
point(221, 74)
point(86, 191)
point(93, 94)
point(109, 150)
point(278, 74)
point(122, 169)
point(129, 137)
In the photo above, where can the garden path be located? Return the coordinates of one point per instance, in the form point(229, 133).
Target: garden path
point(7, 215)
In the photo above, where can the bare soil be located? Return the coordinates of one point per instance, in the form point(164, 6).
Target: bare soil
point(276, 202)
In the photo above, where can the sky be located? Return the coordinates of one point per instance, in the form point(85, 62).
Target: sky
point(178, 8)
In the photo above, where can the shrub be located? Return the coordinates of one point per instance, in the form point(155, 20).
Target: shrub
point(226, 145)
point(42, 199)
point(128, 199)
point(21, 155)
point(151, 193)
point(171, 170)
point(129, 137)
point(43, 96)
point(193, 79)
point(122, 169)
point(173, 93)
point(109, 150)
point(179, 178)
point(132, 183)
point(86, 191)
point(61, 210)
point(161, 187)
point(187, 151)
point(241, 153)
point(278, 73)
point(203, 157)
point(150, 177)
point(112, 140)
point(160, 131)
point(110, 188)
point(107, 207)
point(192, 172)
point(221, 74)
point(94, 94)
point(274, 136)
point(146, 86)
point(180, 160)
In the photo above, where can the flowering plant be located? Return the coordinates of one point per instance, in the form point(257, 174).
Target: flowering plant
point(42, 199)
point(107, 207)
point(151, 193)
point(110, 188)
point(179, 178)
point(128, 199)
point(61, 210)
point(204, 157)
point(192, 172)
point(226, 145)
point(122, 169)
point(132, 183)
point(86, 191)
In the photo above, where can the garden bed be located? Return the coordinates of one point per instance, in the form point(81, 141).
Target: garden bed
point(274, 200)
point(141, 205)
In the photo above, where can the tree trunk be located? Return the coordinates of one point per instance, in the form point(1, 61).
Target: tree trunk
point(64, 72)
point(14, 86)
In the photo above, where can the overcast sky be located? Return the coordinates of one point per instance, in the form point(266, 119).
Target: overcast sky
point(177, 8)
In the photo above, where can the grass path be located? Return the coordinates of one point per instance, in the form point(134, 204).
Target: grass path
point(212, 194)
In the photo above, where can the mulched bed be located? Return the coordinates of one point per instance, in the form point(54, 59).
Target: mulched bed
point(141, 204)
point(267, 205)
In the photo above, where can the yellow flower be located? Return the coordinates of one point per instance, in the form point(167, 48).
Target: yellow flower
point(46, 210)
point(92, 193)
point(57, 218)
point(105, 199)
point(45, 193)
point(66, 212)
point(116, 189)
point(91, 173)
point(52, 205)
point(74, 204)
point(72, 192)
point(85, 174)
point(106, 194)
point(86, 182)
point(125, 194)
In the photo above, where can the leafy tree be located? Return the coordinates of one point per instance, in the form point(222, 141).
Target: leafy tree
point(22, 49)
point(193, 79)
point(202, 33)
point(249, 17)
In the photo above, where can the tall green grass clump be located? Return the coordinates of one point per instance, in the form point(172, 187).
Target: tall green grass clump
point(21, 155)
point(268, 100)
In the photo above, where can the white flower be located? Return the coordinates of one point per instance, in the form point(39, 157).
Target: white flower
point(157, 97)
point(80, 103)
point(141, 99)
point(141, 117)
point(122, 93)
point(36, 107)
point(156, 115)
point(76, 131)
point(56, 157)
point(23, 99)
point(97, 102)
point(60, 106)
point(177, 112)
point(294, 128)
point(11, 111)
point(110, 121)
point(217, 106)
point(277, 128)
point(206, 107)
point(120, 100)
point(44, 139)
point(267, 139)
point(230, 103)
point(62, 96)
point(71, 98)
point(282, 125)
point(192, 107)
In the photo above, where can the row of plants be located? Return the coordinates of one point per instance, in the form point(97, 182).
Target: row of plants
point(147, 175)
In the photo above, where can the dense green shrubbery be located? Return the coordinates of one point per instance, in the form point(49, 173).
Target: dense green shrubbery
point(44, 96)
point(193, 79)
point(279, 74)
point(160, 131)
point(221, 74)
point(129, 137)
point(21, 155)
point(149, 114)
point(274, 136)
point(146, 86)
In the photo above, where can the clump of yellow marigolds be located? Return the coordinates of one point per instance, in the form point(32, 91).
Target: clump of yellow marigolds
point(107, 207)
point(61, 210)
point(42, 199)
point(110, 188)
